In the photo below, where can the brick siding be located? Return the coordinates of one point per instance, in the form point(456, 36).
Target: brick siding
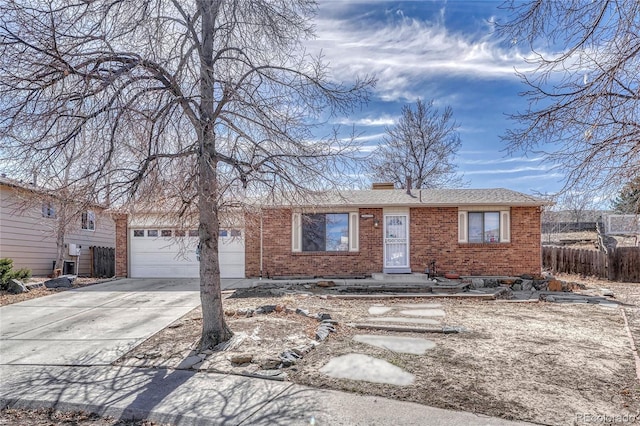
point(433, 236)
point(122, 234)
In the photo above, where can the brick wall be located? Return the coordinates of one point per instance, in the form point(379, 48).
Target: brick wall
point(279, 260)
point(433, 235)
point(122, 233)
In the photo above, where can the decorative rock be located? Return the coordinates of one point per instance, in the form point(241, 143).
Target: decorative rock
point(189, 362)
point(406, 345)
point(323, 316)
point(607, 292)
point(526, 277)
point(516, 287)
point(322, 332)
point(329, 321)
point(241, 358)
point(540, 285)
point(153, 355)
point(507, 282)
point(555, 285)
point(280, 308)
point(302, 312)
point(230, 312)
point(326, 284)
point(266, 309)
point(60, 282)
point(16, 287)
point(424, 312)
point(379, 310)
point(491, 283)
point(269, 363)
point(477, 283)
point(527, 285)
point(366, 368)
point(550, 299)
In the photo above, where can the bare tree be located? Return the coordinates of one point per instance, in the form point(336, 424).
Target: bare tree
point(583, 96)
point(419, 149)
point(181, 101)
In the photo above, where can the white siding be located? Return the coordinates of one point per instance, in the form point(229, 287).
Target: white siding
point(29, 239)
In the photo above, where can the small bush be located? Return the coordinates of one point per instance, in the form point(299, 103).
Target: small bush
point(7, 273)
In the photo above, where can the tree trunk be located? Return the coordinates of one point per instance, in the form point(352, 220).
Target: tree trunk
point(61, 225)
point(214, 328)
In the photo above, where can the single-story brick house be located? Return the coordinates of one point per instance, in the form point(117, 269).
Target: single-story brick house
point(353, 233)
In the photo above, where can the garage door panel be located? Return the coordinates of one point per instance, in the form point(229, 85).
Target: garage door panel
point(164, 257)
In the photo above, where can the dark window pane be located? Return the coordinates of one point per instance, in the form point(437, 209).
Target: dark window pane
point(166, 232)
point(236, 233)
point(222, 233)
point(193, 233)
point(152, 233)
point(313, 232)
point(138, 232)
point(180, 233)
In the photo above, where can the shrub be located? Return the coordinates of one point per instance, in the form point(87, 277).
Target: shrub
point(7, 273)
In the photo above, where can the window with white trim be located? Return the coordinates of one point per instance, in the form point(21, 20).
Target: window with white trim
point(484, 227)
point(88, 220)
point(324, 232)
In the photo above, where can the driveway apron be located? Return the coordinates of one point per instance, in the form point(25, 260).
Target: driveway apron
point(93, 325)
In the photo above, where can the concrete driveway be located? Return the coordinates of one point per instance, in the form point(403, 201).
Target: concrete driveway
point(94, 325)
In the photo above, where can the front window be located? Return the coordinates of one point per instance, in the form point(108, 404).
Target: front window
point(325, 232)
point(48, 210)
point(89, 220)
point(484, 227)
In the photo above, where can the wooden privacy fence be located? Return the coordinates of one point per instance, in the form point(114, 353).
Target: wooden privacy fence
point(620, 264)
point(103, 262)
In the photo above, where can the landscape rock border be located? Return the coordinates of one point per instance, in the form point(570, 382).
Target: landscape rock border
point(269, 365)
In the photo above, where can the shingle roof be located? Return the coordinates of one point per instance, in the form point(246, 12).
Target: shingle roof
point(425, 197)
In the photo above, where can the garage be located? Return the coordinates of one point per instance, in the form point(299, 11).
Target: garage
point(171, 253)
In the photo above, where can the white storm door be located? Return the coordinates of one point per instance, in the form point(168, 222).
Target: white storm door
point(396, 241)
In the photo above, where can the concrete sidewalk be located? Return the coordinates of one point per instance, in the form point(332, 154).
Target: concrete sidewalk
point(181, 397)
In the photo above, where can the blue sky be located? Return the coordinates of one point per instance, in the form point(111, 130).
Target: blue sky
point(438, 50)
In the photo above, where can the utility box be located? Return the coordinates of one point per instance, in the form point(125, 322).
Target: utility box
point(74, 250)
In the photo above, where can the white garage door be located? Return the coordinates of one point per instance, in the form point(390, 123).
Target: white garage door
point(167, 253)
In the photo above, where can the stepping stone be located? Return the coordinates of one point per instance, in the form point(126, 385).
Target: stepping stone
point(405, 345)
point(421, 305)
point(423, 312)
point(379, 310)
point(399, 320)
point(368, 369)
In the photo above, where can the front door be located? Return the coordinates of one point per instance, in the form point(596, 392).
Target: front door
point(396, 243)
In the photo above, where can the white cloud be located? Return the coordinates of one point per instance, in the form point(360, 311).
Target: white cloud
point(500, 160)
point(505, 171)
point(384, 120)
point(403, 52)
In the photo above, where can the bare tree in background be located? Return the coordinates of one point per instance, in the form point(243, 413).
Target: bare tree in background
point(190, 103)
point(583, 93)
point(420, 148)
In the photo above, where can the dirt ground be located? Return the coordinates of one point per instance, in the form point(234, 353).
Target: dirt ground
point(547, 363)
point(49, 417)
